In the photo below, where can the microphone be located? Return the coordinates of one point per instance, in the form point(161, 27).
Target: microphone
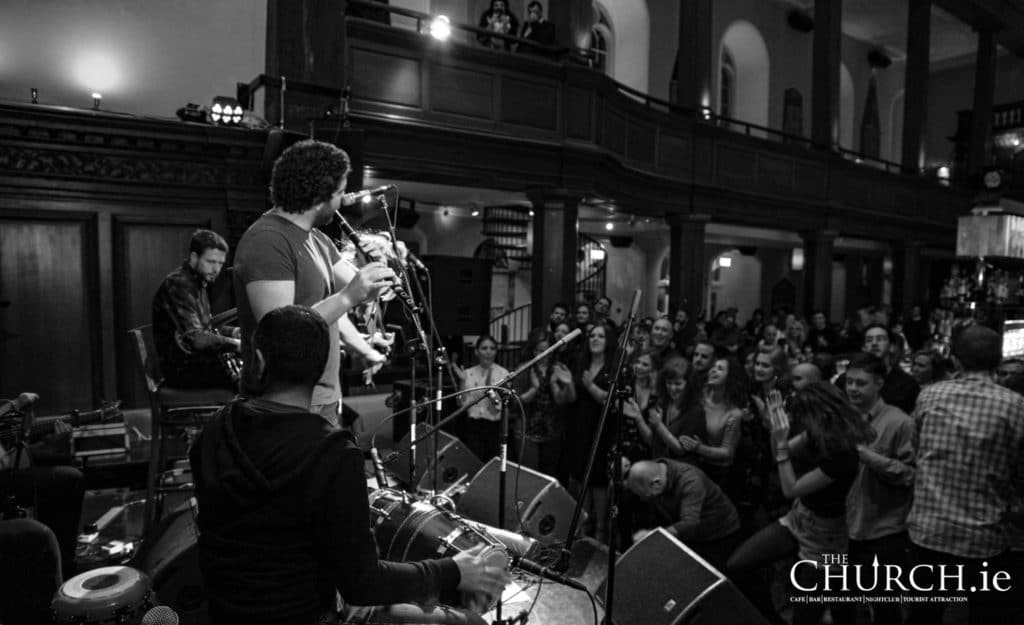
point(378, 468)
point(374, 256)
point(352, 198)
point(547, 573)
point(19, 403)
point(160, 615)
point(414, 260)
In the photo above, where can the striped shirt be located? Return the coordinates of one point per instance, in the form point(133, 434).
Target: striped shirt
point(970, 447)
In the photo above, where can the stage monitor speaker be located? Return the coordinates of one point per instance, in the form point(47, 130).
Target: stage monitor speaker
point(695, 593)
point(544, 507)
point(454, 461)
point(462, 293)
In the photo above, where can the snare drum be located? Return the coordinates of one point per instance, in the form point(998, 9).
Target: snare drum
point(112, 594)
point(408, 530)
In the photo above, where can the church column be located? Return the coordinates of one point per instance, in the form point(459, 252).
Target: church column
point(984, 92)
point(906, 275)
point(687, 271)
point(818, 246)
point(694, 58)
point(305, 43)
point(915, 98)
point(828, 19)
point(555, 244)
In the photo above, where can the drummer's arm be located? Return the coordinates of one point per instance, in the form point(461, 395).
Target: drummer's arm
point(346, 540)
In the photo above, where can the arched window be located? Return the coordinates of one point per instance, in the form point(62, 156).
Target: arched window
point(602, 40)
point(727, 85)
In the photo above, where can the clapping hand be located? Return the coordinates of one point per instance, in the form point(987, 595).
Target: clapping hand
point(631, 409)
point(779, 419)
point(656, 416)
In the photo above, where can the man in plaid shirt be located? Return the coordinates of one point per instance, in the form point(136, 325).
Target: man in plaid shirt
point(970, 448)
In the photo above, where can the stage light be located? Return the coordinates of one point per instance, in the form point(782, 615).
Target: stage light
point(97, 99)
point(531, 213)
point(35, 95)
point(475, 213)
point(226, 111)
point(609, 226)
point(441, 28)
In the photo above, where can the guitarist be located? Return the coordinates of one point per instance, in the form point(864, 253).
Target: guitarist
point(192, 354)
point(38, 553)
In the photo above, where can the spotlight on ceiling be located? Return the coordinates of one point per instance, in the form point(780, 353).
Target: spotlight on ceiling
point(475, 213)
point(609, 226)
point(441, 28)
point(226, 111)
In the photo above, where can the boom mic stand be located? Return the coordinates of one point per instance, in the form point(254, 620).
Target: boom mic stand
point(615, 464)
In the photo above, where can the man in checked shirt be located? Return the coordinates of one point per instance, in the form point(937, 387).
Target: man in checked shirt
point(969, 471)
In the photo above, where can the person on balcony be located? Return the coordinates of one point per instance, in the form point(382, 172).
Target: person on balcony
point(498, 19)
point(536, 29)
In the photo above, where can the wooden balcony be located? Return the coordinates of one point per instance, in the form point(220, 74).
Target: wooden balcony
point(468, 115)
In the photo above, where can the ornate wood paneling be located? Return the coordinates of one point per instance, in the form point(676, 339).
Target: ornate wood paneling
point(775, 172)
point(673, 154)
point(614, 136)
point(48, 309)
point(735, 165)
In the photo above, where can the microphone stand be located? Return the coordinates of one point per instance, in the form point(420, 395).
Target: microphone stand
point(568, 338)
point(615, 462)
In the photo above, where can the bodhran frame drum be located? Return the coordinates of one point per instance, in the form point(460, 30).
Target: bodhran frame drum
point(409, 530)
point(115, 595)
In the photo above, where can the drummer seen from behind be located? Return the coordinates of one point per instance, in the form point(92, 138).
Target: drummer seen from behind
point(284, 517)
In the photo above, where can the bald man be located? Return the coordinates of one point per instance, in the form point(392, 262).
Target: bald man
point(804, 375)
point(691, 507)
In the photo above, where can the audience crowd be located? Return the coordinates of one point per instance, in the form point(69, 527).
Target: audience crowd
point(785, 439)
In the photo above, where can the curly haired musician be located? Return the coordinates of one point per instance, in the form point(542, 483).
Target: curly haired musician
point(190, 350)
point(284, 517)
point(284, 259)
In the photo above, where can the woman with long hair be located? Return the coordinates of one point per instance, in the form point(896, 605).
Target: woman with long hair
point(544, 390)
point(667, 420)
point(725, 398)
point(796, 337)
point(636, 434)
point(593, 378)
point(481, 427)
point(816, 523)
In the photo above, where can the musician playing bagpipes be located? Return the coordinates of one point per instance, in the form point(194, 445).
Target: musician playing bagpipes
point(41, 506)
point(192, 353)
point(284, 516)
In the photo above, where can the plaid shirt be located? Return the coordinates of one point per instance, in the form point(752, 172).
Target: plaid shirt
point(182, 327)
point(970, 438)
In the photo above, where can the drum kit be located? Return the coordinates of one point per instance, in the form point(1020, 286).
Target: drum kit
point(162, 584)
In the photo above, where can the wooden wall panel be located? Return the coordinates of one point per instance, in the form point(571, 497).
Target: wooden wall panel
point(640, 144)
point(461, 91)
point(673, 154)
point(775, 172)
point(735, 165)
point(579, 113)
point(146, 249)
point(386, 78)
point(529, 103)
point(810, 179)
point(614, 138)
point(48, 310)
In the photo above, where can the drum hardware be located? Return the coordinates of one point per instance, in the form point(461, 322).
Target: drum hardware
point(111, 595)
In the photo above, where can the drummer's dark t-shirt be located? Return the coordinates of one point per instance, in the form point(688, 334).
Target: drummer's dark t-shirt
point(284, 521)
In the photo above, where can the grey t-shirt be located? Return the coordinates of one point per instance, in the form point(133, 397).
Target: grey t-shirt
point(274, 248)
